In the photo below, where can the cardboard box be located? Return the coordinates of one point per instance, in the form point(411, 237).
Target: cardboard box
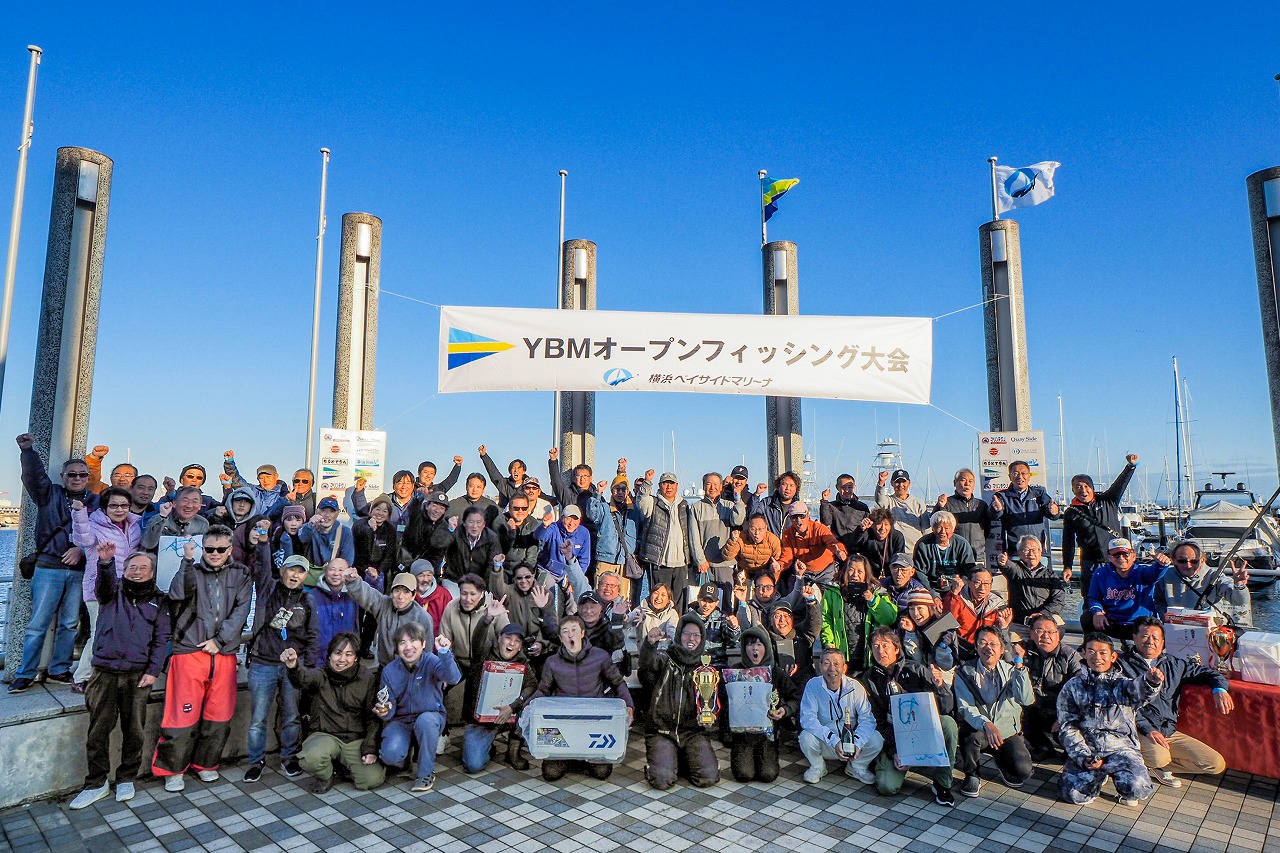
point(1186, 634)
point(562, 728)
point(500, 684)
point(1258, 657)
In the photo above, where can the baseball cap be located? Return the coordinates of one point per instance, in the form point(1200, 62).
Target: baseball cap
point(297, 560)
point(1119, 545)
point(405, 580)
point(739, 471)
point(589, 595)
point(667, 477)
point(783, 605)
point(799, 508)
point(572, 511)
point(531, 481)
point(327, 503)
point(268, 469)
point(900, 474)
point(438, 498)
point(900, 559)
point(709, 592)
point(512, 628)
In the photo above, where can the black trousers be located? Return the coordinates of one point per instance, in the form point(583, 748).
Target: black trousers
point(1013, 757)
point(753, 757)
point(114, 697)
point(695, 759)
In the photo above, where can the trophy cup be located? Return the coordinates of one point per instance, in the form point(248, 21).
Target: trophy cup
point(706, 679)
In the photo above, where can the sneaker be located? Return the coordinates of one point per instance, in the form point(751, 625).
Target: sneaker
point(943, 796)
point(124, 792)
point(322, 786)
point(1130, 802)
point(89, 796)
point(79, 687)
point(422, 785)
point(866, 777)
point(442, 745)
point(20, 685)
point(291, 768)
point(208, 775)
point(254, 773)
point(1009, 783)
point(175, 783)
point(814, 775)
point(60, 678)
point(1167, 778)
point(972, 785)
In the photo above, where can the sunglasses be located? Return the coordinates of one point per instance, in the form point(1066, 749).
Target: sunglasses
point(302, 482)
point(209, 549)
point(118, 506)
point(77, 474)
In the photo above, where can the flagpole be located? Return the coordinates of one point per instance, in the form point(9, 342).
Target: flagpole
point(995, 212)
point(315, 312)
point(555, 418)
point(764, 229)
point(15, 224)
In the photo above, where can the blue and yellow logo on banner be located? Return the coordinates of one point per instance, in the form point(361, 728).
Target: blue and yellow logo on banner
point(466, 347)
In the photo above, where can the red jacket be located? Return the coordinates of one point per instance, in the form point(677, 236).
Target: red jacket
point(434, 603)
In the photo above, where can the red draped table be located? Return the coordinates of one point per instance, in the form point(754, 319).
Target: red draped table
point(1248, 738)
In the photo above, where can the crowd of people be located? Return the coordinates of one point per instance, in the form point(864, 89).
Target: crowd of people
point(372, 636)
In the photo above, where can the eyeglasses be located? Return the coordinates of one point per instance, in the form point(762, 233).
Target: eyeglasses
point(764, 586)
point(118, 506)
point(799, 515)
point(209, 549)
point(1122, 554)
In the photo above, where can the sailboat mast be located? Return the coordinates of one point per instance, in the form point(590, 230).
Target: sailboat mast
point(1177, 425)
point(1062, 452)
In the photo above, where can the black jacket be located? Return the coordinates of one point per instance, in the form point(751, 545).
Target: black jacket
point(282, 617)
point(53, 513)
point(1161, 713)
point(341, 703)
point(903, 677)
point(843, 519)
point(673, 709)
point(1091, 526)
point(1049, 673)
point(471, 688)
point(974, 518)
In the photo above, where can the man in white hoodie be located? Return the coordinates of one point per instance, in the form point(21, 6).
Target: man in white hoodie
point(837, 723)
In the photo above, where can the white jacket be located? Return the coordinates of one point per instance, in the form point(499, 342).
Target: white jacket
point(822, 711)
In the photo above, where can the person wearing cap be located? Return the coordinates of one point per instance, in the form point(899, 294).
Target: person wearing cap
point(720, 632)
point(843, 514)
point(974, 606)
point(325, 537)
point(755, 550)
point(715, 515)
point(604, 632)
point(1092, 519)
point(343, 728)
point(565, 543)
point(675, 734)
point(910, 514)
point(336, 612)
point(1122, 591)
point(1097, 726)
point(1034, 588)
point(539, 501)
point(810, 555)
point(1051, 665)
point(478, 737)
point(426, 516)
point(829, 703)
point(881, 541)
point(283, 618)
point(377, 547)
point(777, 504)
point(890, 674)
point(512, 484)
point(618, 532)
point(974, 517)
point(925, 640)
point(284, 539)
point(991, 694)
point(670, 543)
point(1192, 584)
point(1022, 510)
point(576, 487)
point(794, 639)
point(190, 475)
point(391, 610)
point(900, 578)
point(431, 595)
point(941, 553)
point(738, 484)
point(753, 757)
point(1164, 748)
point(269, 494)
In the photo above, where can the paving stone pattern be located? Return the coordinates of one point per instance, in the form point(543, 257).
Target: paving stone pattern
point(504, 810)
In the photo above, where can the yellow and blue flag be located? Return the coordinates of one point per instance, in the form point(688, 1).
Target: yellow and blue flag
point(774, 190)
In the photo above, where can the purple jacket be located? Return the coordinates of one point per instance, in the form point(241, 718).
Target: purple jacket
point(587, 674)
point(133, 634)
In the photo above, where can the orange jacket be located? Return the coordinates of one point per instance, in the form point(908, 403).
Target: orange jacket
point(817, 550)
point(753, 557)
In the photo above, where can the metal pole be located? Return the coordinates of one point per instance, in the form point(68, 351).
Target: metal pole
point(764, 229)
point(315, 314)
point(555, 420)
point(995, 213)
point(15, 224)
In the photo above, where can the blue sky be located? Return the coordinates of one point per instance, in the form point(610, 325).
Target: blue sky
point(450, 123)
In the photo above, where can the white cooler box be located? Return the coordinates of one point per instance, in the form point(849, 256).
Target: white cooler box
point(562, 728)
point(1258, 657)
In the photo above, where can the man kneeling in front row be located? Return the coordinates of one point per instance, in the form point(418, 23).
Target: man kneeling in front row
point(837, 723)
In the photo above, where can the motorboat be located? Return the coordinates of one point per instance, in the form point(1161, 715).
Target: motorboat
point(1219, 518)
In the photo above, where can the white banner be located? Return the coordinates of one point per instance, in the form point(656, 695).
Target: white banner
point(1001, 449)
point(884, 359)
point(346, 454)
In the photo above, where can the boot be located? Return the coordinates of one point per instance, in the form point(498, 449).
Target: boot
point(517, 756)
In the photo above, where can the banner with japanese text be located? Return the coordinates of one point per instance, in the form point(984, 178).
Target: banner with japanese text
point(1001, 449)
point(882, 359)
point(347, 455)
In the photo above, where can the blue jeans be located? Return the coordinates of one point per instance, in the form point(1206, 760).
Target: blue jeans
point(265, 682)
point(55, 597)
point(477, 746)
point(399, 734)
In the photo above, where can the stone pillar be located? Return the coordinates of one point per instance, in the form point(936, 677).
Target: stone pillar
point(356, 356)
point(1008, 387)
point(578, 408)
point(783, 432)
point(1264, 215)
point(65, 344)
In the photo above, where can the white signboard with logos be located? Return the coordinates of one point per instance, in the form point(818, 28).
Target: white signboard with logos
point(999, 450)
point(348, 454)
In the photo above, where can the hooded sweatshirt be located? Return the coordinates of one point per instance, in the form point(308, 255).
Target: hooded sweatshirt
point(673, 709)
point(88, 529)
point(788, 692)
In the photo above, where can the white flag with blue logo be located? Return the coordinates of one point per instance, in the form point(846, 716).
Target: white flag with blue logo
point(1024, 187)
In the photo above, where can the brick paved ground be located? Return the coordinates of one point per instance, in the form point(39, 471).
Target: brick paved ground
point(502, 810)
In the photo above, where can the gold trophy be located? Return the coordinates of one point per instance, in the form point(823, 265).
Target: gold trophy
point(706, 679)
